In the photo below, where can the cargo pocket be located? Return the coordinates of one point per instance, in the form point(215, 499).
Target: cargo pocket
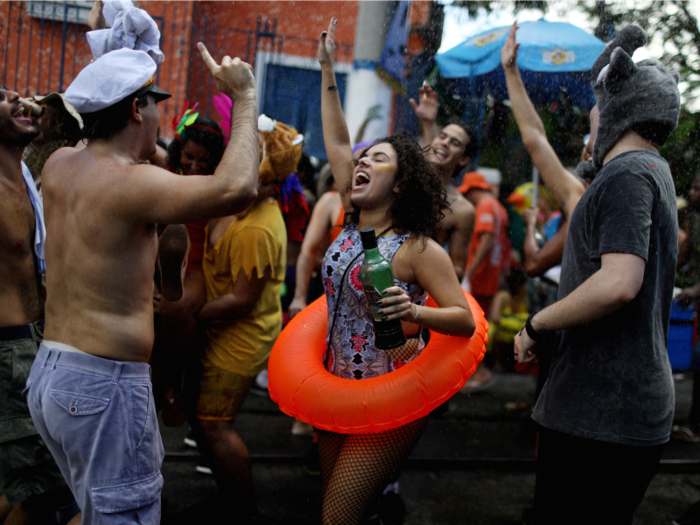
point(129, 496)
point(79, 404)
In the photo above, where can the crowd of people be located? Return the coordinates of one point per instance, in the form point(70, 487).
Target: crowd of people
point(139, 276)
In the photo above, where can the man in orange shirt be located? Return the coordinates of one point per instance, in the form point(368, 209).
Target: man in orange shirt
point(489, 253)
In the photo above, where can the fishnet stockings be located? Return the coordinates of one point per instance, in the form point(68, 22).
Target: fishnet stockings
point(355, 468)
point(406, 351)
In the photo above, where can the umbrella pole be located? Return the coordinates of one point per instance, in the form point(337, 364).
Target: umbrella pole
point(535, 184)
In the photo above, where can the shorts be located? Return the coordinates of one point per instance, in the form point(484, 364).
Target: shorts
point(98, 418)
point(221, 393)
point(26, 465)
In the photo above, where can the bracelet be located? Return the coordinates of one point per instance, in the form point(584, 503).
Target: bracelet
point(415, 316)
point(531, 332)
point(332, 88)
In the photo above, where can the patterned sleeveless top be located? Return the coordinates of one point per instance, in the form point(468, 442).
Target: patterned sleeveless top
point(352, 353)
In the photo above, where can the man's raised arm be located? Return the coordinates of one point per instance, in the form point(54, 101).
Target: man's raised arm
point(566, 188)
point(426, 109)
point(155, 195)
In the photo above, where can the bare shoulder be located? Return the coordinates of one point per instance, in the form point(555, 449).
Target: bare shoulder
point(460, 210)
point(421, 259)
point(419, 249)
point(60, 153)
point(328, 199)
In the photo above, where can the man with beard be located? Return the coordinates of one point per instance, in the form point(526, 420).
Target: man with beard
point(31, 483)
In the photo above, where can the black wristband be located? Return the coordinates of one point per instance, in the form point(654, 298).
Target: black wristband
point(531, 332)
point(332, 88)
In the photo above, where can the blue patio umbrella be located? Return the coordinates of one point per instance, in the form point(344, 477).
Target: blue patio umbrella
point(551, 55)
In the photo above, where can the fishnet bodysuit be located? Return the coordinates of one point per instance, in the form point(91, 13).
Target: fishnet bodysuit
point(355, 468)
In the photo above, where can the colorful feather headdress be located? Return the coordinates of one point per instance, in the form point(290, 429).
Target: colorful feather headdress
point(186, 118)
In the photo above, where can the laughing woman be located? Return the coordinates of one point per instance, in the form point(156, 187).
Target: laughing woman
point(394, 190)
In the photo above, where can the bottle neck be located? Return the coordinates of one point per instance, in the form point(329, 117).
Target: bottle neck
point(372, 255)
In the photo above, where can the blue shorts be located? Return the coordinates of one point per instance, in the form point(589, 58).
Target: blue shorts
point(98, 419)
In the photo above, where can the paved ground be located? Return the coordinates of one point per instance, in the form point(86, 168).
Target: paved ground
point(452, 477)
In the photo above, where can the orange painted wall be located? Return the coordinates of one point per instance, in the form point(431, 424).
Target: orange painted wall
point(229, 28)
point(302, 19)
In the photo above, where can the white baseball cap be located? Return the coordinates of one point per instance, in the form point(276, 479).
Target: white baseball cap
point(113, 77)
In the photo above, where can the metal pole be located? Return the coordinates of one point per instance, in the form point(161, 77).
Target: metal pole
point(535, 184)
point(64, 34)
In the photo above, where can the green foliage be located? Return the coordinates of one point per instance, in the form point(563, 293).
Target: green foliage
point(682, 151)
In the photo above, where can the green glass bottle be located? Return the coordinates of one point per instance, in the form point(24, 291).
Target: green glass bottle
point(376, 276)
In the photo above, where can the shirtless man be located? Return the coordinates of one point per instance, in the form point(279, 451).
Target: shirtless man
point(89, 389)
point(452, 148)
point(30, 482)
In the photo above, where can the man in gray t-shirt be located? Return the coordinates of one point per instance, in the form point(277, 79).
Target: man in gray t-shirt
point(610, 377)
point(606, 409)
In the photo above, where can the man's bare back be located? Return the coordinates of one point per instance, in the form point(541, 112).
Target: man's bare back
point(101, 277)
point(101, 213)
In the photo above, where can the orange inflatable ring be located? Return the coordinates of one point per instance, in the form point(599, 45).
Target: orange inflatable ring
point(304, 389)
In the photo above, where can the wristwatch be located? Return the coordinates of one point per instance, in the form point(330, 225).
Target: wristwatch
point(532, 333)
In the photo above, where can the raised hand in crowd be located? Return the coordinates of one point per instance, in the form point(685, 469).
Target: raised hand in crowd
point(96, 19)
point(426, 110)
point(233, 76)
point(509, 52)
point(427, 106)
point(326, 45)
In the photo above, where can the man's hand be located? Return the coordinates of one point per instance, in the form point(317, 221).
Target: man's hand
point(326, 44)
point(530, 217)
point(509, 53)
point(233, 77)
point(96, 19)
point(688, 294)
point(427, 109)
point(524, 348)
point(295, 307)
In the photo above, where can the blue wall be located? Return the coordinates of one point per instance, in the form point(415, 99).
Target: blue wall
point(293, 96)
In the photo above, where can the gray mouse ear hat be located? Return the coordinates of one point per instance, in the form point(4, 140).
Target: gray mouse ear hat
point(641, 96)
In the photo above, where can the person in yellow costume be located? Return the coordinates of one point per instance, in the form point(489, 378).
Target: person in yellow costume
point(244, 267)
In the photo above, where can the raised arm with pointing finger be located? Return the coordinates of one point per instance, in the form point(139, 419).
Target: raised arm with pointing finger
point(234, 184)
point(565, 187)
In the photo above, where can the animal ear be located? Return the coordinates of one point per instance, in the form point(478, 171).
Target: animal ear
point(629, 38)
point(622, 67)
point(675, 76)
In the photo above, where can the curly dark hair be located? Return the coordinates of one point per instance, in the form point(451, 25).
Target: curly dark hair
point(419, 204)
point(211, 138)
